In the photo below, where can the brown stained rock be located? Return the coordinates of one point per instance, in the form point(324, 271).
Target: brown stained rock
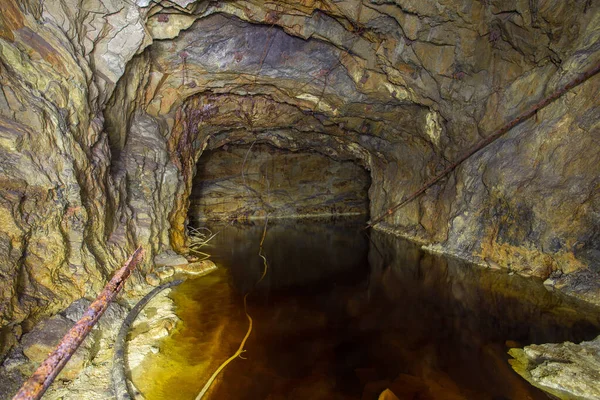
point(38, 343)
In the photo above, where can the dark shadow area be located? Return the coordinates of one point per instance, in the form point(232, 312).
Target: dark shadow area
point(247, 182)
point(343, 316)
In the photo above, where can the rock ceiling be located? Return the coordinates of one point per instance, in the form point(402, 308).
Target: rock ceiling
point(106, 107)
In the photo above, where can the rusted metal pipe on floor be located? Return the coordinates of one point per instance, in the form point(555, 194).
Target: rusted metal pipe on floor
point(595, 69)
point(41, 379)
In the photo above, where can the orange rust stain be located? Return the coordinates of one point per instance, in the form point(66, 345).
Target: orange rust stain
point(42, 47)
point(405, 69)
point(12, 22)
point(11, 19)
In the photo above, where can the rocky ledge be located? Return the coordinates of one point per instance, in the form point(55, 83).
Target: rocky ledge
point(566, 370)
point(88, 374)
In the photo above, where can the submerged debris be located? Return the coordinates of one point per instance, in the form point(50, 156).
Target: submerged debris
point(198, 238)
point(240, 349)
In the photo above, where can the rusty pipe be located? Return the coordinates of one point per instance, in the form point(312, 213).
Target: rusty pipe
point(43, 377)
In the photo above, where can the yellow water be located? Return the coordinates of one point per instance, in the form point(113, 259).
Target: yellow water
point(210, 332)
point(342, 317)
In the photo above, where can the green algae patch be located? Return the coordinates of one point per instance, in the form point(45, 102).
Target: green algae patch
point(209, 332)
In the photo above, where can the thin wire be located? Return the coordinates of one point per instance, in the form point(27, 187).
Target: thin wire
point(240, 349)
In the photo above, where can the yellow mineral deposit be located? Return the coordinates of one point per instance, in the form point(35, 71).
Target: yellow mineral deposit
point(469, 128)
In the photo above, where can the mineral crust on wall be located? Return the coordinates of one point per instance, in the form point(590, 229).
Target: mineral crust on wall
point(106, 107)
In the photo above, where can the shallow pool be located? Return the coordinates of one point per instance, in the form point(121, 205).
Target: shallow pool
point(343, 315)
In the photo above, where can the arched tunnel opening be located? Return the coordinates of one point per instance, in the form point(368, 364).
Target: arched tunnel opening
point(261, 181)
point(335, 199)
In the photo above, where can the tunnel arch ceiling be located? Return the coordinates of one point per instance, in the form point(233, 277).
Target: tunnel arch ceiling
point(223, 77)
point(372, 87)
point(223, 55)
point(99, 146)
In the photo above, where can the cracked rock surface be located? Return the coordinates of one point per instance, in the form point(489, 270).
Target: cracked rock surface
point(566, 370)
point(107, 106)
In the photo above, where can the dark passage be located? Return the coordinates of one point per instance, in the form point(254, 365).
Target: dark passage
point(245, 182)
point(342, 317)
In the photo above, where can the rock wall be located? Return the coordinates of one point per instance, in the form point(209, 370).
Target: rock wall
point(243, 182)
point(530, 202)
point(58, 202)
point(102, 123)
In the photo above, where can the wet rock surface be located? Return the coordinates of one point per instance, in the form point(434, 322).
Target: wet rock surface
point(196, 268)
point(566, 370)
point(154, 323)
point(102, 125)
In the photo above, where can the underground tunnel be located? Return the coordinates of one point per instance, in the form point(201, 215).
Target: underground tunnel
point(355, 199)
point(256, 181)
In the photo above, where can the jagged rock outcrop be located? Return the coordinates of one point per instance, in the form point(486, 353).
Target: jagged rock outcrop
point(567, 370)
point(107, 106)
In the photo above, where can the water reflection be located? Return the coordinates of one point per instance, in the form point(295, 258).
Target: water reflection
point(302, 253)
point(342, 316)
point(451, 319)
